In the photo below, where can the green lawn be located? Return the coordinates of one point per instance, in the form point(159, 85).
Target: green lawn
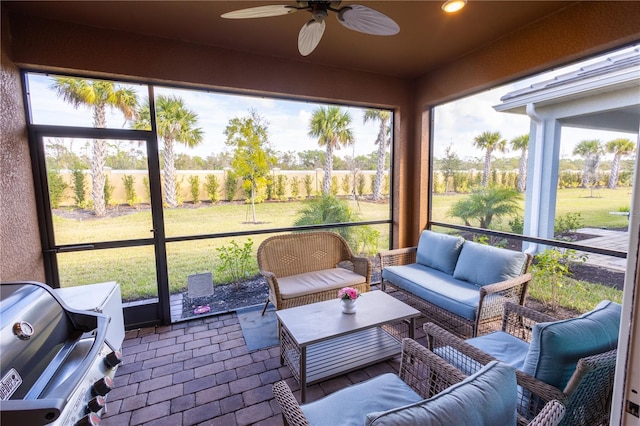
point(134, 268)
point(594, 210)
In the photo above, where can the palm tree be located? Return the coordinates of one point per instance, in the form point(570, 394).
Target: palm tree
point(331, 126)
point(489, 141)
point(175, 123)
point(98, 95)
point(486, 204)
point(591, 151)
point(521, 143)
point(383, 141)
point(619, 148)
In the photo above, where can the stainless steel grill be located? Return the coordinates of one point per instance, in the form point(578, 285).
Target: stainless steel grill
point(56, 367)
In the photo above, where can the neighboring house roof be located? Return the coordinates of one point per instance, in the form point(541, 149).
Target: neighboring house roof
point(618, 73)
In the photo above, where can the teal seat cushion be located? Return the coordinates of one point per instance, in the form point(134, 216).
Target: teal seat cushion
point(439, 288)
point(557, 346)
point(349, 406)
point(439, 251)
point(481, 264)
point(487, 398)
point(502, 346)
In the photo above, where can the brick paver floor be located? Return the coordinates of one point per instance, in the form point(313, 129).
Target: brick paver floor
point(200, 372)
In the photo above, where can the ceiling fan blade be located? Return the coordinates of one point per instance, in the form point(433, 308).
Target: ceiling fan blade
point(260, 12)
point(366, 20)
point(310, 35)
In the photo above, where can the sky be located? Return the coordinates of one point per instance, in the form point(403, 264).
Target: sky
point(288, 121)
point(456, 123)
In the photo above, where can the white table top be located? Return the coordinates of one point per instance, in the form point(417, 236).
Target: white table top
point(320, 321)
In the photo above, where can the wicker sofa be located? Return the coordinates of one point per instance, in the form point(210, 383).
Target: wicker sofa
point(575, 355)
point(460, 285)
point(307, 267)
point(428, 391)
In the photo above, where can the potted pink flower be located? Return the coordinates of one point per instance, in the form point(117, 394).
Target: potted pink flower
point(348, 297)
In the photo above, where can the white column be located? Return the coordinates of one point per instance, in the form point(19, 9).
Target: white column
point(542, 177)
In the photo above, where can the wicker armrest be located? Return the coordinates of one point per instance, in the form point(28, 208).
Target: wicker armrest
point(291, 411)
point(505, 285)
point(362, 266)
point(402, 256)
point(519, 320)
point(551, 414)
point(424, 371)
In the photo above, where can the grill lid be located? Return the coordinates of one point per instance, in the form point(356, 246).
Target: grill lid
point(46, 349)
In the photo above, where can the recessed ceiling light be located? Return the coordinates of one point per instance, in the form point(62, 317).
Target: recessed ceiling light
point(451, 6)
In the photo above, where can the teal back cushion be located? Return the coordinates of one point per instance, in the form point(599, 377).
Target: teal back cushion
point(557, 346)
point(487, 398)
point(481, 264)
point(439, 251)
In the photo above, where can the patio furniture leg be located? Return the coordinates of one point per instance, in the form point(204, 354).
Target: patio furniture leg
point(265, 306)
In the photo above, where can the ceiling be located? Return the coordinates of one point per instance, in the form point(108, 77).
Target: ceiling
point(428, 37)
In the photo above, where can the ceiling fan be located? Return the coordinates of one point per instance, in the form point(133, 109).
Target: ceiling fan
point(354, 16)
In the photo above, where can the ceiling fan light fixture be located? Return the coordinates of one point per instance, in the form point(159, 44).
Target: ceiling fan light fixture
point(451, 6)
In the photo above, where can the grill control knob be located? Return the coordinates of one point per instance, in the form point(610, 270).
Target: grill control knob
point(96, 404)
point(91, 419)
point(113, 359)
point(103, 386)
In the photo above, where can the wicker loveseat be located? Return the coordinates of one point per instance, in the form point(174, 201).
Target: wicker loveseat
point(576, 355)
point(458, 284)
point(309, 267)
point(426, 391)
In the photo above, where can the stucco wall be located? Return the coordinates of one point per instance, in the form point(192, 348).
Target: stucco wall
point(20, 250)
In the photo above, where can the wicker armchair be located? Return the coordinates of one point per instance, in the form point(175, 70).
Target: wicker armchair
point(491, 297)
point(309, 267)
point(587, 395)
point(426, 373)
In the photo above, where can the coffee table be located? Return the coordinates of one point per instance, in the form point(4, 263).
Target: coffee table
point(318, 341)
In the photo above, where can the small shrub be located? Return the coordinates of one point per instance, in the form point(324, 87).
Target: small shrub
point(57, 186)
point(147, 188)
point(230, 186)
point(346, 184)
point(362, 182)
point(333, 189)
point(295, 187)
point(366, 240)
point(194, 188)
point(108, 192)
point(569, 222)
point(235, 263)
point(308, 186)
point(517, 225)
point(129, 189)
point(271, 190)
point(551, 266)
point(212, 186)
point(79, 188)
point(281, 187)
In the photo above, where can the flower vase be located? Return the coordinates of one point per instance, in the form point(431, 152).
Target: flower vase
point(348, 306)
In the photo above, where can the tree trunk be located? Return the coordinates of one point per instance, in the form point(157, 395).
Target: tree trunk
point(253, 203)
point(615, 171)
point(377, 183)
point(98, 161)
point(169, 174)
point(98, 177)
point(487, 168)
point(522, 171)
point(585, 171)
point(328, 166)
